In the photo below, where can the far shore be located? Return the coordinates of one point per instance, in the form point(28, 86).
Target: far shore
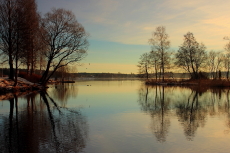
point(24, 87)
point(190, 82)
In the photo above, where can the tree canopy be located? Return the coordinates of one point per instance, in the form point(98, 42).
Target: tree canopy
point(66, 40)
point(50, 41)
point(160, 48)
point(191, 55)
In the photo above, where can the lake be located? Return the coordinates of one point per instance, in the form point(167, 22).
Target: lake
point(117, 116)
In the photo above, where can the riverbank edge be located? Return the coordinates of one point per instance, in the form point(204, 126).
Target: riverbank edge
point(199, 82)
point(23, 87)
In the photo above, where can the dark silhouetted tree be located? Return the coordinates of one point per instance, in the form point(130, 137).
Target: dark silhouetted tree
point(18, 30)
point(8, 31)
point(160, 45)
point(214, 62)
point(227, 56)
point(66, 40)
point(155, 62)
point(191, 55)
point(30, 37)
point(144, 65)
point(227, 64)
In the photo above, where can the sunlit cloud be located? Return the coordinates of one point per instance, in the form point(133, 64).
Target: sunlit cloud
point(133, 21)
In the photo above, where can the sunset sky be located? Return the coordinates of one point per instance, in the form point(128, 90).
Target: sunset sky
point(119, 29)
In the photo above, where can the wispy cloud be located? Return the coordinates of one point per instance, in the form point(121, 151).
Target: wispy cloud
point(132, 22)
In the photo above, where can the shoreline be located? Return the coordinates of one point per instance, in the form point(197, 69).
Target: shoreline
point(23, 87)
point(199, 82)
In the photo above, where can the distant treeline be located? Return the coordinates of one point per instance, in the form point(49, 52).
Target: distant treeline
point(106, 75)
point(62, 75)
point(69, 76)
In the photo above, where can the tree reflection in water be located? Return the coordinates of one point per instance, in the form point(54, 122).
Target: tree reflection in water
point(225, 108)
point(191, 114)
point(191, 106)
point(63, 92)
point(42, 125)
point(155, 103)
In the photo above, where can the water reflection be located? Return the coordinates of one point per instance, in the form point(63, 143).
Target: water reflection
point(62, 92)
point(191, 106)
point(191, 114)
point(157, 106)
point(41, 125)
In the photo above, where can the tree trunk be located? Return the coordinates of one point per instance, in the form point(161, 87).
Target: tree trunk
point(227, 74)
point(16, 72)
point(219, 75)
point(32, 59)
point(146, 72)
point(11, 76)
point(45, 74)
point(156, 72)
point(45, 77)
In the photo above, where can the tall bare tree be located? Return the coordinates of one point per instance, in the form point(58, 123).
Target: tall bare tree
point(8, 31)
point(155, 62)
point(211, 63)
point(227, 46)
point(30, 35)
point(17, 31)
point(227, 64)
point(191, 55)
point(214, 62)
point(144, 65)
point(161, 44)
point(66, 40)
point(227, 56)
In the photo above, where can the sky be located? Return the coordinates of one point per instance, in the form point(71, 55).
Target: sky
point(120, 29)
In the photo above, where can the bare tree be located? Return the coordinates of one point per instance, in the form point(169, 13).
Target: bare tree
point(66, 40)
point(227, 57)
point(17, 20)
point(155, 62)
point(211, 63)
point(227, 46)
point(227, 64)
point(214, 61)
point(29, 36)
point(191, 55)
point(41, 61)
point(160, 45)
point(144, 65)
point(8, 34)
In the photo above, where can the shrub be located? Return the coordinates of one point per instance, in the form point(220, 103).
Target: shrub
point(32, 78)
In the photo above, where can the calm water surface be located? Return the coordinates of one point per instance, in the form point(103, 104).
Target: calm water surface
point(117, 117)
